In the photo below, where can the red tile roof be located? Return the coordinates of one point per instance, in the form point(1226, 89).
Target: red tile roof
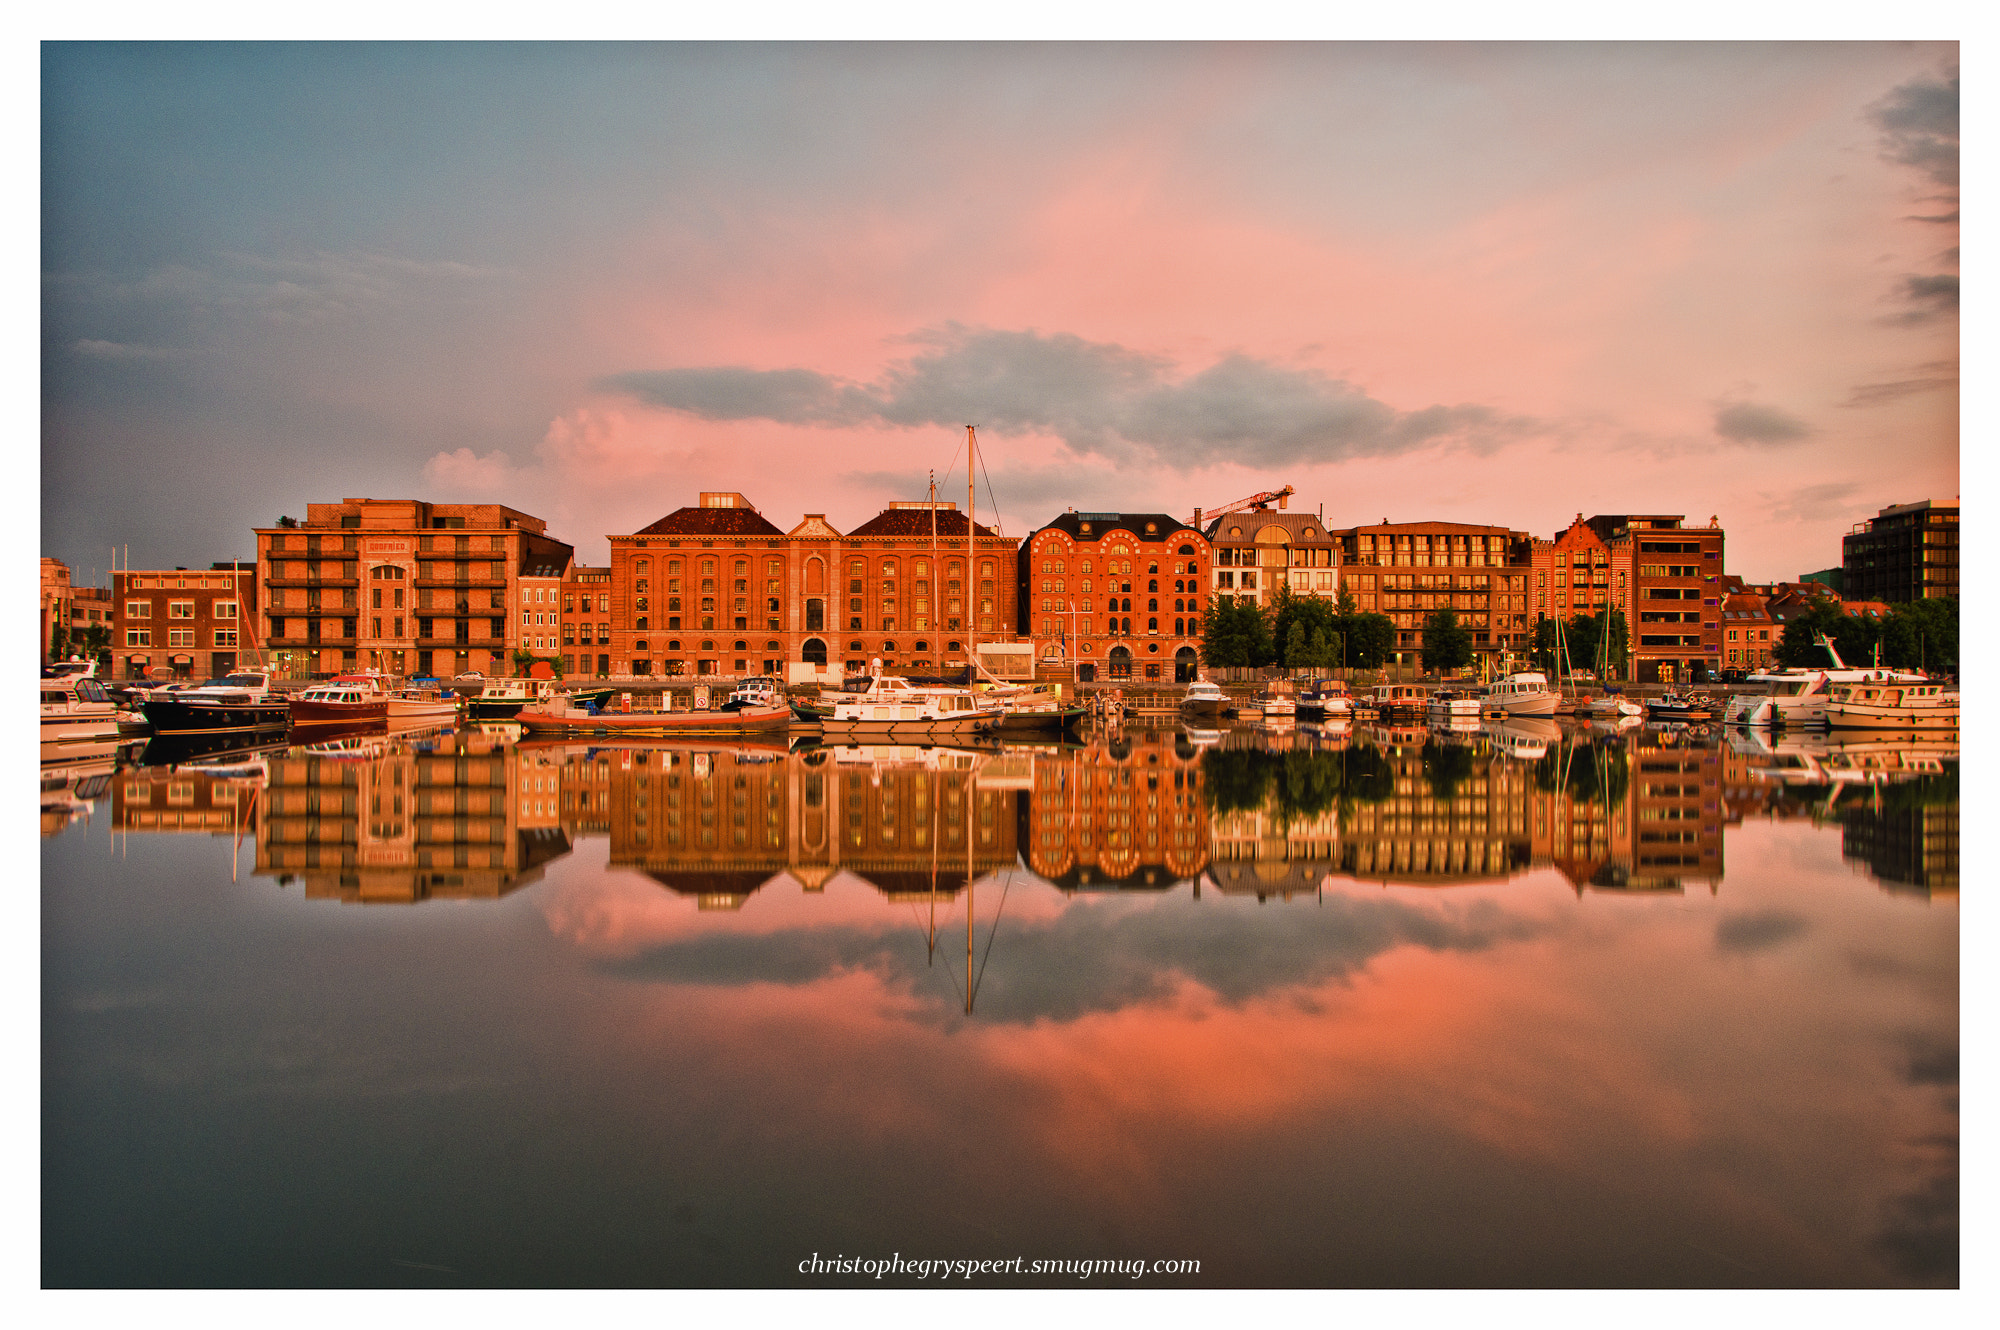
point(915, 522)
point(711, 522)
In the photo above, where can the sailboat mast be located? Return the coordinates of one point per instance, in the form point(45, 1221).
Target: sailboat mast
point(971, 622)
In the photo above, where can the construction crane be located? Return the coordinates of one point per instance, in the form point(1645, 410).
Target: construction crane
point(1265, 500)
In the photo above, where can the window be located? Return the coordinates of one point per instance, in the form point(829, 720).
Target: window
point(225, 637)
point(138, 637)
point(180, 637)
point(180, 609)
point(138, 609)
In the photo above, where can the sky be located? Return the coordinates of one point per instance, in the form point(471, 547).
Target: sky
point(1491, 283)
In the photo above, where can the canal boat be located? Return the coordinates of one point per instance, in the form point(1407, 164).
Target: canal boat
point(1522, 694)
point(502, 699)
point(1680, 707)
point(1398, 701)
point(762, 691)
point(1884, 704)
point(1204, 700)
point(236, 703)
point(1796, 696)
point(358, 700)
point(425, 701)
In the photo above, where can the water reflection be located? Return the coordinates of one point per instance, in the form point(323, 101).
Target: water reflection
point(1320, 1006)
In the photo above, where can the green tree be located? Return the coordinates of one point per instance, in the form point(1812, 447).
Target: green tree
point(96, 642)
point(1289, 611)
point(1235, 634)
point(1320, 652)
point(1370, 639)
point(1798, 645)
point(1922, 634)
point(1298, 647)
point(1447, 645)
point(1543, 652)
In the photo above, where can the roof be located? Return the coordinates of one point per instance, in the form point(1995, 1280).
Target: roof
point(1294, 525)
point(1426, 529)
point(916, 522)
point(711, 522)
point(1164, 526)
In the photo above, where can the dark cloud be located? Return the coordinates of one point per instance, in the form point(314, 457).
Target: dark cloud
point(1929, 295)
point(1757, 932)
point(1936, 376)
point(1099, 398)
point(1097, 956)
point(1749, 422)
point(1919, 1233)
point(1919, 124)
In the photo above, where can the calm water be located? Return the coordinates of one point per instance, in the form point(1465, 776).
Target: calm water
point(1389, 1009)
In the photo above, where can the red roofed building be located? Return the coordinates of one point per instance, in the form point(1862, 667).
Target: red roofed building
point(717, 589)
point(1115, 595)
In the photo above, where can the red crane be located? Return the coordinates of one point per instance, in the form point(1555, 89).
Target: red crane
point(1264, 500)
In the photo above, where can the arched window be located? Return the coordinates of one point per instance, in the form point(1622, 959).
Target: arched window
point(708, 646)
point(1152, 567)
point(1152, 625)
point(641, 565)
point(1153, 604)
point(888, 647)
point(813, 651)
point(772, 646)
point(854, 646)
point(815, 577)
point(674, 645)
point(1187, 549)
point(742, 646)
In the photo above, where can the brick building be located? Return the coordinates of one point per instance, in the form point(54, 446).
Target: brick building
point(1905, 552)
point(1259, 550)
point(1410, 570)
point(1129, 816)
point(55, 608)
point(586, 621)
point(718, 589)
point(401, 585)
point(1676, 594)
point(196, 622)
point(1114, 595)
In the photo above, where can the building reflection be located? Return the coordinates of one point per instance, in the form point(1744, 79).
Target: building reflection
point(380, 821)
point(475, 814)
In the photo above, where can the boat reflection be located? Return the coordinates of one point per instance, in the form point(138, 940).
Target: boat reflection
point(478, 811)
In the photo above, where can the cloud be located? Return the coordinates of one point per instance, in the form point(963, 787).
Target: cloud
point(1811, 503)
point(1099, 398)
point(1750, 422)
point(1935, 376)
point(1932, 295)
point(467, 472)
point(308, 289)
point(1093, 958)
point(1758, 932)
point(1919, 124)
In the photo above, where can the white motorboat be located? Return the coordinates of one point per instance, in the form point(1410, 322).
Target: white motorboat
point(1524, 694)
point(1448, 704)
point(1399, 699)
point(1797, 696)
point(1612, 706)
point(75, 709)
point(422, 702)
point(237, 702)
point(893, 707)
point(1204, 700)
point(1908, 708)
point(1329, 697)
point(761, 691)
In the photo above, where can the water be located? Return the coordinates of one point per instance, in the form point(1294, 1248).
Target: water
point(1382, 1010)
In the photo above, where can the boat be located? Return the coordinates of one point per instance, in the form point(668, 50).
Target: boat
point(894, 707)
point(1797, 695)
point(1329, 697)
point(1399, 700)
point(762, 690)
point(358, 700)
point(502, 699)
point(1522, 694)
point(425, 701)
point(1524, 739)
point(236, 702)
point(1680, 707)
point(1274, 706)
point(1204, 700)
point(1449, 704)
point(561, 715)
point(1612, 705)
point(1885, 704)
point(76, 709)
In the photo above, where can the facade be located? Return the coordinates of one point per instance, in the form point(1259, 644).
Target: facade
point(196, 623)
point(1114, 596)
point(586, 622)
point(1129, 816)
point(55, 608)
point(1410, 570)
point(1582, 572)
point(539, 597)
point(1749, 634)
point(1258, 551)
point(1676, 594)
point(1906, 552)
point(89, 607)
point(401, 585)
point(717, 589)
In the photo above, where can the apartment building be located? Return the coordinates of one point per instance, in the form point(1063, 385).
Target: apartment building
point(195, 623)
point(402, 585)
point(1675, 593)
point(1125, 817)
point(1410, 570)
point(1905, 552)
point(1258, 551)
point(1114, 595)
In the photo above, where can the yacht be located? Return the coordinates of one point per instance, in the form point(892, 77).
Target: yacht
point(1797, 696)
point(1399, 700)
point(1326, 696)
point(761, 691)
point(1923, 708)
point(1204, 700)
point(1448, 704)
point(235, 702)
point(1524, 694)
point(892, 707)
point(502, 699)
point(346, 700)
point(76, 708)
point(424, 701)
point(1612, 706)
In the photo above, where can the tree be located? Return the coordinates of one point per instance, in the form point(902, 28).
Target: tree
point(1321, 652)
point(1922, 635)
point(1370, 639)
point(1234, 634)
point(97, 644)
point(1798, 645)
point(1543, 653)
point(1447, 645)
point(1289, 611)
point(1298, 647)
